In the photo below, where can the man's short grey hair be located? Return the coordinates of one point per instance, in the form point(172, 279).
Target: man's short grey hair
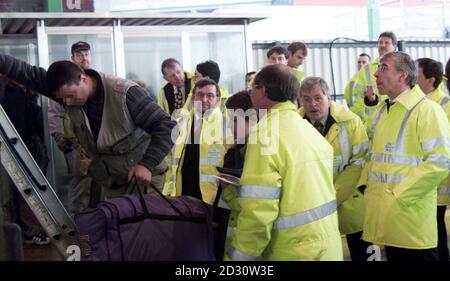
point(403, 63)
point(309, 83)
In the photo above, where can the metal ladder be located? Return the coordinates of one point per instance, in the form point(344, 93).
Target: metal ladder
point(35, 189)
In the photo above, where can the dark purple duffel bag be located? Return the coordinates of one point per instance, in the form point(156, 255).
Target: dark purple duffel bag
point(150, 227)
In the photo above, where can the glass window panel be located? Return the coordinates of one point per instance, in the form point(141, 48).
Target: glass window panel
point(225, 48)
point(145, 52)
point(101, 49)
point(21, 48)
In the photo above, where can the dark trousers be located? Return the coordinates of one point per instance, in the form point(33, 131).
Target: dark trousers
point(358, 247)
point(408, 255)
point(96, 194)
point(442, 234)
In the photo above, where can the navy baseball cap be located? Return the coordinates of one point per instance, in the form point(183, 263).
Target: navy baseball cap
point(80, 46)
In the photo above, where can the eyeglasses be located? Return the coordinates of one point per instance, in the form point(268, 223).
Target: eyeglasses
point(209, 96)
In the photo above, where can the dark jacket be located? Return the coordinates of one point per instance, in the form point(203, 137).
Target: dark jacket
point(26, 115)
point(169, 92)
point(145, 114)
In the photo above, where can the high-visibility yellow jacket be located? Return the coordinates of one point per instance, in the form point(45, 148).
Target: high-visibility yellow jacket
point(443, 86)
point(162, 100)
point(409, 158)
point(349, 140)
point(287, 202)
point(212, 150)
point(349, 96)
point(229, 196)
point(356, 92)
point(444, 101)
point(300, 75)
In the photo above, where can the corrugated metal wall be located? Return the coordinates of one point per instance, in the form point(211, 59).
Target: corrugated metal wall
point(345, 55)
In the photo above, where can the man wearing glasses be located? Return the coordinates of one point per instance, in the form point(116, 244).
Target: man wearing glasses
point(200, 147)
point(409, 158)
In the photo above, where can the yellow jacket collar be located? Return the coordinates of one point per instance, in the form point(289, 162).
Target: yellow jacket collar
point(437, 95)
point(339, 112)
point(411, 97)
point(286, 105)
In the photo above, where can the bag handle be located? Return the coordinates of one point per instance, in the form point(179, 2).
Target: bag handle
point(141, 197)
point(134, 185)
point(167, 200)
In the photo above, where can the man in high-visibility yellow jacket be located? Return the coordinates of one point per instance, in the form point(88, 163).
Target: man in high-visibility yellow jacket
point(200, 146)
point(409, 158)
point(297, 54)
point(287, 200)
point(174, 94)
point(363, 59)
point(364, 93)
point(430, 77)
point(345, 132)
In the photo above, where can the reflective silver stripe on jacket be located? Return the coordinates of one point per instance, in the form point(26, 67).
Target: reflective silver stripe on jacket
point(395, 159)
point(305, 217)
point(236, 255)
point(360, 147)
point(207, 178)
point(368, 74)
point(439, 159)
point(358, 87)
point(444, 190)
point(259, 191)
point(357, 161)
point(209, 161)
point(398, 149)
point(401, 135)
point(345, 146)
point(370, 110)
point(375, 121)
point(230, 231)
point(175, 161)
point(444, 101)
point(430, 144)
point(385, 178)
point(350, 93)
